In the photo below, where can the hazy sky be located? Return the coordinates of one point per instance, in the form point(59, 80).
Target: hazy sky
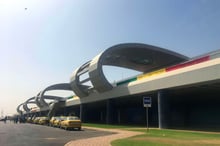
point(43, 41)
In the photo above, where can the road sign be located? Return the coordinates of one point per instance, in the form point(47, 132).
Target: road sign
point(147, 104)
point(147, 101)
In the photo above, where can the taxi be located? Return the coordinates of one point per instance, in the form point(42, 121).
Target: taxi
point(36, 120)
point(58, 120)
point(71, 122)
point(29, 120)
point(51, 122)
point(43, 121)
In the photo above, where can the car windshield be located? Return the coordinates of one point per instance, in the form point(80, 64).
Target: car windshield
point(63, 118)
point(73, 118)
point(57, 118)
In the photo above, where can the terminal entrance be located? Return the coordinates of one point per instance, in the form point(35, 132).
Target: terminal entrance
point(194, 107)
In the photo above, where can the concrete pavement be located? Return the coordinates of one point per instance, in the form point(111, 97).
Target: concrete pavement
point(103, 140)
point(37, 135)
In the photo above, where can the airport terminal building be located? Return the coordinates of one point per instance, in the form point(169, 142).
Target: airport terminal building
point(184, 92)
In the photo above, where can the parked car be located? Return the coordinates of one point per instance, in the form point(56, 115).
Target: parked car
point(36, 120)
point(51, 122)
point(43, 121)
point(71, 122)
point(58, 120)
point(29, 120)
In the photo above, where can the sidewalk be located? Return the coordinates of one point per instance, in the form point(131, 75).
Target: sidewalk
point(103, 140)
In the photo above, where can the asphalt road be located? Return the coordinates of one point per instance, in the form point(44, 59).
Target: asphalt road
point(36, 135)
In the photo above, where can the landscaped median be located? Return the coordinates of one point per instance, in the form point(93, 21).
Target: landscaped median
point(163, 137)
point(169, 137)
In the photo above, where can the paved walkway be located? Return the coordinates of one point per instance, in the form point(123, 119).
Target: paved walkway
point(103, 140)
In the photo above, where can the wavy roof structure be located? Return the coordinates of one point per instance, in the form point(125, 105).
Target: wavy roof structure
point(135, 56)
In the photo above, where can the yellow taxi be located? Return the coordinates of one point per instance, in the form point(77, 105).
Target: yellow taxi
point(36, 120)
point(29, 120)
point(51, 122)
point(58, 120)
point(43, 121)
point(71, 122)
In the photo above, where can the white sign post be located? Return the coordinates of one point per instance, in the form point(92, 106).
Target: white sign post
point(147, 103)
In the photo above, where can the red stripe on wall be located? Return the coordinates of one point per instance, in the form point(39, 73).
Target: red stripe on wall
point(182, 65)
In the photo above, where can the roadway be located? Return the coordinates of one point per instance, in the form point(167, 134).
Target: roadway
point(29, 134)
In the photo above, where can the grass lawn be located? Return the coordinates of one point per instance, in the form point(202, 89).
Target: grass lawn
point(109, 126)
point(157, 137)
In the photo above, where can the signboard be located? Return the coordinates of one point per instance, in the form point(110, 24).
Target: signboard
point(147, 101)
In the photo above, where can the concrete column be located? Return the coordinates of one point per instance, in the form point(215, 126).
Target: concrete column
point(163, 109)
point(82, 114)
point(119, 116)
point(101, 116)
point(109, 111)
point(65, 111)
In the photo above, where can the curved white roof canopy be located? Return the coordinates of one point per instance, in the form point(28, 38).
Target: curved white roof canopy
point(62, 86)
point(18, 108)
point(29, 101)
point(139, 57)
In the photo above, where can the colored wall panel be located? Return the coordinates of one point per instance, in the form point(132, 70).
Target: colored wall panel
point(151, 74)
point(185, 64)
point(126, 81)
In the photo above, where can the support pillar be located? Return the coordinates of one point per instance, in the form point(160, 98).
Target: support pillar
point(109, 111)
point(163, 109)
point(65, 111)
point(101, 117)
point(119, 116)
point(82, 114)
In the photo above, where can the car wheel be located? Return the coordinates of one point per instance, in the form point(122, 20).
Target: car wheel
point(66, 128)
